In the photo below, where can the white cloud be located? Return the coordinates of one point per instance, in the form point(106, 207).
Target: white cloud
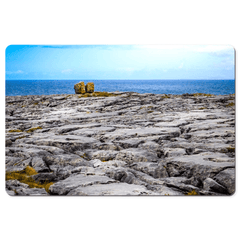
point(226, 63)
point(15, 72)
point(214, 48)
point(217, 50)
point(181, 65)
point(66, 70)
point(127, 69)
point(164, 47)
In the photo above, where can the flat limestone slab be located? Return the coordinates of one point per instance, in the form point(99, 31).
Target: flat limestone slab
point(62, 140)
point(131, 155)
point(143, 132)
point(213, 133)
point(31, 192)
point(115, 189)
point(65, 186)
point(197, 166)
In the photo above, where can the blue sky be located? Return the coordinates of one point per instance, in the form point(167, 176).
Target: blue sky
point(83, 62)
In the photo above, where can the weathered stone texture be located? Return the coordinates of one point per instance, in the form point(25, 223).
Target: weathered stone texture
point(89, 87)
point(125, 144)
point(79, 88)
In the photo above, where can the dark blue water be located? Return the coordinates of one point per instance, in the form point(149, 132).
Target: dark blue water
point(47, 87)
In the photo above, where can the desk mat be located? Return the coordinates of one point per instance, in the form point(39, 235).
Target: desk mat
point(145, 120)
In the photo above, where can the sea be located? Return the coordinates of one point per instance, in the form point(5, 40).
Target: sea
point(48, 87)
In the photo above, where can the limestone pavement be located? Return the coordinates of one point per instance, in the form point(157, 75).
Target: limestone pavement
point(123, 144)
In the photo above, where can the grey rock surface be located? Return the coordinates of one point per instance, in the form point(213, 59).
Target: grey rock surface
point(125, 144)
point(211, 185)
point(65, 186)
point(227, 179)
point(119, 189)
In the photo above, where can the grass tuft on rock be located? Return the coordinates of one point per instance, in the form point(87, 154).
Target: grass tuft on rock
point(33, 129)
point(30, 171)
point(96, 94)
point(202, 94)
point(20, 137)
point(193, 192)
point(231, 149)
point(67, 96)
point(24, 176)
point(84, 155)
point(165, 96)
point(47, 185)
point(15, 130)
point(231, 104)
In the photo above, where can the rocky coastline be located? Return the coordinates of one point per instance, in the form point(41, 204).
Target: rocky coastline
point(120, 143)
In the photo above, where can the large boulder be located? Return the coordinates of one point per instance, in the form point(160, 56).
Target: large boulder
point(89, 88)
point(79, 88)
point(227, 179)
